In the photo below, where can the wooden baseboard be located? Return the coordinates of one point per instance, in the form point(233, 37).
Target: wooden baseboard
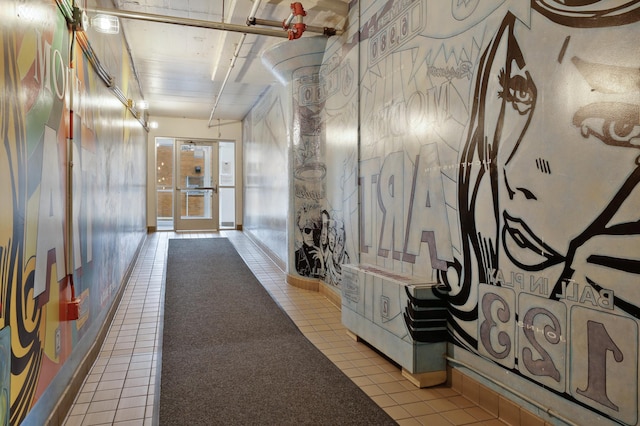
point(304, 283)
point(328, 292)
point(424, 380)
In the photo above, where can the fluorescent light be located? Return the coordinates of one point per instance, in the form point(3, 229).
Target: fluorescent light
point(142, 104)
point(105, 24)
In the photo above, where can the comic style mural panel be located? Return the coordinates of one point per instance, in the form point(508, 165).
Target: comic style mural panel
point(325, 194)
point(339, 218)
point(495, 154)
point(545, 203)
point(522, 184)
point(59, 239)
point(498, 157)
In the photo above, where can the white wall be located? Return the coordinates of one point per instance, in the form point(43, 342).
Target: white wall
point(174, 127)
point(266, 155)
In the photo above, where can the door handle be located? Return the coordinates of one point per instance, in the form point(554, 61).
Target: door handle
point(200, 188)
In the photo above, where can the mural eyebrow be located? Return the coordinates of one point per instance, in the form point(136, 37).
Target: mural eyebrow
point(564, 49)
point(608, 78)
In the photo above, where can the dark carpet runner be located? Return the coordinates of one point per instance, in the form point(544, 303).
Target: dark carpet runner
point(231, 356)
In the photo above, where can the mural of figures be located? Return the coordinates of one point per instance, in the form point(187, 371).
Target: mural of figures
point(308, 258)
point(336, 254)
point(309, 171)
point(323, 249)
point(517, 152)
point(340, 219)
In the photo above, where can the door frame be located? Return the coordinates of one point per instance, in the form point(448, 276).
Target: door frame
point(208, 188)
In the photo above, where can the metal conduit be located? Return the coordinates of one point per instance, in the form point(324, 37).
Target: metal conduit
point(226, 78)
point(252, 14)
point(222, 26)
point(254, 8)
point(308, 28)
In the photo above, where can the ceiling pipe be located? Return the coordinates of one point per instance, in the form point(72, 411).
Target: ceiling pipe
point(222, 26)
point(226, 78)
point(288, 21)
point(252, 14)
point(327, 31)
point(297, 10)
point(254, 10)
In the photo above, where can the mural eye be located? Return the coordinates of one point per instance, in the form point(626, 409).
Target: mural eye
point(519, 90)
point(623, 132)
point(615, 124)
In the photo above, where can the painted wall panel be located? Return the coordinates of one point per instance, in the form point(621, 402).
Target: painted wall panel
point(53, 115)
point(266, 170)
point(507, 114)
point(497, 154)
point(339, 239)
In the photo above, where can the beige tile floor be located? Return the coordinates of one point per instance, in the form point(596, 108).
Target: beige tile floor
point(121, 388)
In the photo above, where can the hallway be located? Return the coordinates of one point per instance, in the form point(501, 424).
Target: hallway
point(122, 387)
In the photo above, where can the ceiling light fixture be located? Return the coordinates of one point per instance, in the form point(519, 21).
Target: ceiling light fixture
point(106, 24)
point(142, 104)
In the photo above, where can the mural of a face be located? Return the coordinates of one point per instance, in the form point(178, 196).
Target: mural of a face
point(307, 228)
point(569, 136)
point(307, 234)
point(331, 237)
point(550, 168)
point(324, 231)
point(338, 249)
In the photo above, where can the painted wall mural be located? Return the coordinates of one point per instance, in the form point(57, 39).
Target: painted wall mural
point(108, 222)
point(266, 184)
point(546, 200)
point(492, 146)
point(309, 173)
point(499, 156)
point(339, 88)
point(325, 165)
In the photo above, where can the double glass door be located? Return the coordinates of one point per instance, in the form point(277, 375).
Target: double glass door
point(196, 199)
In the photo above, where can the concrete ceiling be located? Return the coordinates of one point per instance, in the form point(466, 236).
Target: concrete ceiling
point(182, 67)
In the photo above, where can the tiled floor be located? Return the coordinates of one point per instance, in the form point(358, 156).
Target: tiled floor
point(121, 387)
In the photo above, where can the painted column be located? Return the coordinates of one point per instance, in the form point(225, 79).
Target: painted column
point(296, 64)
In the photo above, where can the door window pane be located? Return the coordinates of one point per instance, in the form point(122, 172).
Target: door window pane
point(164, 182)
point(227, 181)
point(227, 164)
point(196, 167)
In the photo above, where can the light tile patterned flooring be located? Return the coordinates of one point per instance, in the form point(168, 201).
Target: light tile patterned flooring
point(122, 387)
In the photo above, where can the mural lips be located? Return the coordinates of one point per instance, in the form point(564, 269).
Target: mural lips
point(525, 248)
